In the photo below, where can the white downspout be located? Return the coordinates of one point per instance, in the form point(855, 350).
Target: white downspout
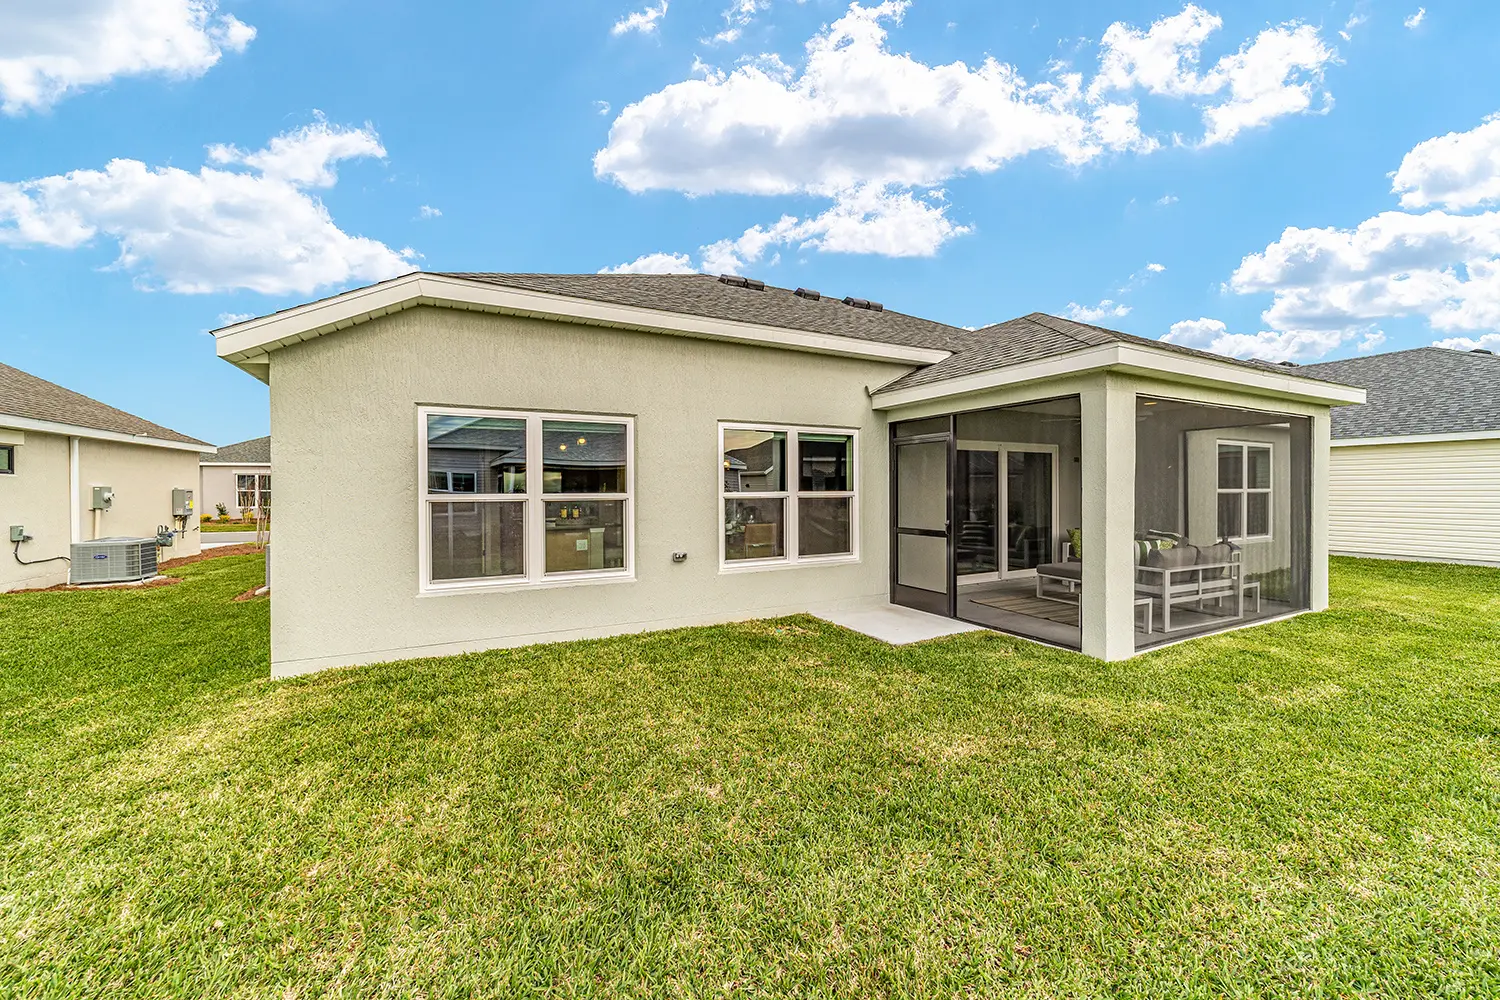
point(75, 501)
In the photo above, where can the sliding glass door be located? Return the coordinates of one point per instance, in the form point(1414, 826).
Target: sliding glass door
point(1030, 508)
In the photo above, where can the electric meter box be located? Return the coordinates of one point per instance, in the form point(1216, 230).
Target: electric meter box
point(182, 503)
point(104, 498)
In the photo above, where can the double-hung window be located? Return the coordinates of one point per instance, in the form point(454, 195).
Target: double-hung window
point(788, 495)
point(512, 499)
point(7, 460)
point(1244, 490)
point(252, 492)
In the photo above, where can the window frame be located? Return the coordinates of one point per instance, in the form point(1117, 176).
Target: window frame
point(792, 497)
point(1245, 491)
point(10, 460)
point(260, 491)
point(535, 500)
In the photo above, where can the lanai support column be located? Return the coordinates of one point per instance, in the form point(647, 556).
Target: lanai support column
point(1108, 412)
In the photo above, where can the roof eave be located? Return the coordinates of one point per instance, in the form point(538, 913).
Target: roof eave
point(248, 345)
point(1133, 359)
point(97, 434)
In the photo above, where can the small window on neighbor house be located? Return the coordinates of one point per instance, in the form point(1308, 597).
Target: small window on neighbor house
point(1244, 490)
point(7, 460)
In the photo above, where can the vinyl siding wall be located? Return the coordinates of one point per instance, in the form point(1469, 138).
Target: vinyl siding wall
point(1436, 501)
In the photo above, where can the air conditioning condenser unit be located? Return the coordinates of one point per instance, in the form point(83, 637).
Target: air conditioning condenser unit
point(113, 560)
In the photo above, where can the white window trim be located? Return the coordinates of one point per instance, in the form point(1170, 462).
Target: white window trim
point(1246, 490)
point(792, 497)
point(257, 491)
point(536, 576)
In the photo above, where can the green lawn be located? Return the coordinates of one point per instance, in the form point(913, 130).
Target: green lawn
point(213, 526)
point(1310, 808)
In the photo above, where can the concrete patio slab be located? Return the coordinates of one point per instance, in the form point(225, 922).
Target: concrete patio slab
point(896, 625)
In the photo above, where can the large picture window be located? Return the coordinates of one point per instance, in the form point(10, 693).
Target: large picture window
point(545, 498)
point(788, 495)
point(1244, 490)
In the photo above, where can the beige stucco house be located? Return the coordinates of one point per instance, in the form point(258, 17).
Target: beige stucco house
point(1415, 472)
point(541, 458)
point(238, 476)
point(56, 447)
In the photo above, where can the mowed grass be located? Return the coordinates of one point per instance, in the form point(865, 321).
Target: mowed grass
point(1310, 808)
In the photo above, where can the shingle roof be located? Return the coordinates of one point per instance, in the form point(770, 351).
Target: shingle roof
point(256, 451)
point(705, 295)
point(1037, 336)
point(25, 395)
point(1427, 390)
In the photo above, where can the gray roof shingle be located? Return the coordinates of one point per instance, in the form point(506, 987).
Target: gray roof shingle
point(1427, 390)
point(1037, 336)
point(25, 395)
point(707, 296)
point(256, 451)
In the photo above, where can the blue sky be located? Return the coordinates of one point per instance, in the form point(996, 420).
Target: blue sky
point(1253, 177)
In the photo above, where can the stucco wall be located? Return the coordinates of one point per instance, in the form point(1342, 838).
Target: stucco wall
point(343, 415)
point(143, 479)
point(37, 497)
point(217, 485)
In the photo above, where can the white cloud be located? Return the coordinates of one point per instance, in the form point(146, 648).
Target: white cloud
point(255, 227)
point(428, 212)
point(737, 16)
point(869, 219)
point(229, 319)
point(1156, 268)
point(1291, 345)
point(602, 107)
point(643, 21)
point(1167, 199)
point(1354, 21)
point(1329, 286)
point(49, 49)
point(1106, 309)
point(1458, 170)
point(1484, 342)
point(654, 263)
point(1274, 75)
point(856, 113)
point(1373, 341)
point(1414, 20)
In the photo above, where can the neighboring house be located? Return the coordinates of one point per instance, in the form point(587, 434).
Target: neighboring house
point(544, 457)
point(56, 447)
point(237, 476)
point(1416, 470)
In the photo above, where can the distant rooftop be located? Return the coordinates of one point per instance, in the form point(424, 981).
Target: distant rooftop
point(1427, 390)
point(256, 451)
point(24, 395)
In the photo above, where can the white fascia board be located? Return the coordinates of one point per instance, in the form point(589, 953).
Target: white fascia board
point(247, 344)
point(1135, 359)
point(94, 434)
point(1416, 439)
point(235, 465)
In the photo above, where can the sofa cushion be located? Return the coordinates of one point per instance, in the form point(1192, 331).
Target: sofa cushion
point(1062, 571)
point(1218, 554)
point(1178, 557)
